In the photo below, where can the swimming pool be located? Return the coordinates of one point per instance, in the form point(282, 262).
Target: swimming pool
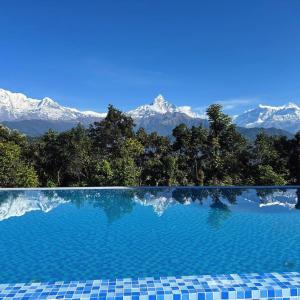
point(81, 234)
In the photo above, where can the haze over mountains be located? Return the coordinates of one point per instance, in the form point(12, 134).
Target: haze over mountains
point(34, 117)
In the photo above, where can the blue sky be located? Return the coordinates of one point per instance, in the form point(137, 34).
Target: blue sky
point(87, 54)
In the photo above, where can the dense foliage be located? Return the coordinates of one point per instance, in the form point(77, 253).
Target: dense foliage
point(111, 153)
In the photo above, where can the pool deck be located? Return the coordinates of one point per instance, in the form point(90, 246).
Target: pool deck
point(279, 286)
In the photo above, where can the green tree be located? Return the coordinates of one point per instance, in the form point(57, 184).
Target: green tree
point(47, 159)
point(75, 153)
point(294, 162)
point(102, 174)
point(170, 170)
point(267, 166)
point(226, 149)
point(109, 134)
point(14, 172)
point(265, 175)
point(8, 135)
point(190, 146)
point(125, 169)
point(64, 159)
point(111, 153)
point(158, 163)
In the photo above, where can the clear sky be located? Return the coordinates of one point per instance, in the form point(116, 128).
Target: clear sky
point(87, 54)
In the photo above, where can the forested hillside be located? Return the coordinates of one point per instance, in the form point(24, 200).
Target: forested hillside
point(112, 153)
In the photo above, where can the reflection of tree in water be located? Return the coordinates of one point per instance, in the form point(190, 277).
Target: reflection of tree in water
point(297, 206)
point(200, 193)
point(217, 215)
point(114, 203)
point(231, 194)
point(219, 211)
point(182, 195)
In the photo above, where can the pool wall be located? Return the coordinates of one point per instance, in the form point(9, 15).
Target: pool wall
point(279, 286)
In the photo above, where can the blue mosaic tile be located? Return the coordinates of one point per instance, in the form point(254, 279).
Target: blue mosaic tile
point(277, 286)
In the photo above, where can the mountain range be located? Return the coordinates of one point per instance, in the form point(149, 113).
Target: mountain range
point(16, 204)
point(17, 106)
point(33, 117)
point(286, 117)
point(19, 203)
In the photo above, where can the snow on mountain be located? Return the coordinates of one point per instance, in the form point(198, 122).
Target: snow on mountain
point(19, 111)
point(160, 106)
point(18, 204)
point(17, 106)
point(34, 117)
point(286, 117)
point(161, 201)
point(283, 198)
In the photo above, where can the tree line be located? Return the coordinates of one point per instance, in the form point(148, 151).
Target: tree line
point(112, 153)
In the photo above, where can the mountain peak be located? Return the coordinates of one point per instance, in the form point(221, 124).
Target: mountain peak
point(161, 106)
point(159, 99)
point(292, 105)
point(286, 106)
point(48, 102)
point(19, 204)
point(286, 117)
point(17, 106)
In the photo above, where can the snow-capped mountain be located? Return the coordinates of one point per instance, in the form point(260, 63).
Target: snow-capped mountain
point(17, 106)
point(162, 116)
point(272, 198)
point(161, 201)
point(19, 203)
point(34, 117)
point(286, 117)
point(159, 107)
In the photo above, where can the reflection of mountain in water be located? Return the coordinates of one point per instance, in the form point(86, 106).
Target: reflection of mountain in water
point(117, 202)
point(159, 201)
point(16, 204)
point(289, 198)
point(113, 202)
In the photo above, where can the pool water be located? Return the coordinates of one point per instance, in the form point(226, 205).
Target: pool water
point(80, 234)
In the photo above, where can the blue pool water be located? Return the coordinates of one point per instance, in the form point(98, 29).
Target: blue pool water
point(79, 234)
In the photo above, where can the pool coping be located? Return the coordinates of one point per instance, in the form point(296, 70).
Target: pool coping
point(279, 286)
point(154, 187)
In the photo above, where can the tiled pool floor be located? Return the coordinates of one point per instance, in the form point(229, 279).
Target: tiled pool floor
point(205, 287)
